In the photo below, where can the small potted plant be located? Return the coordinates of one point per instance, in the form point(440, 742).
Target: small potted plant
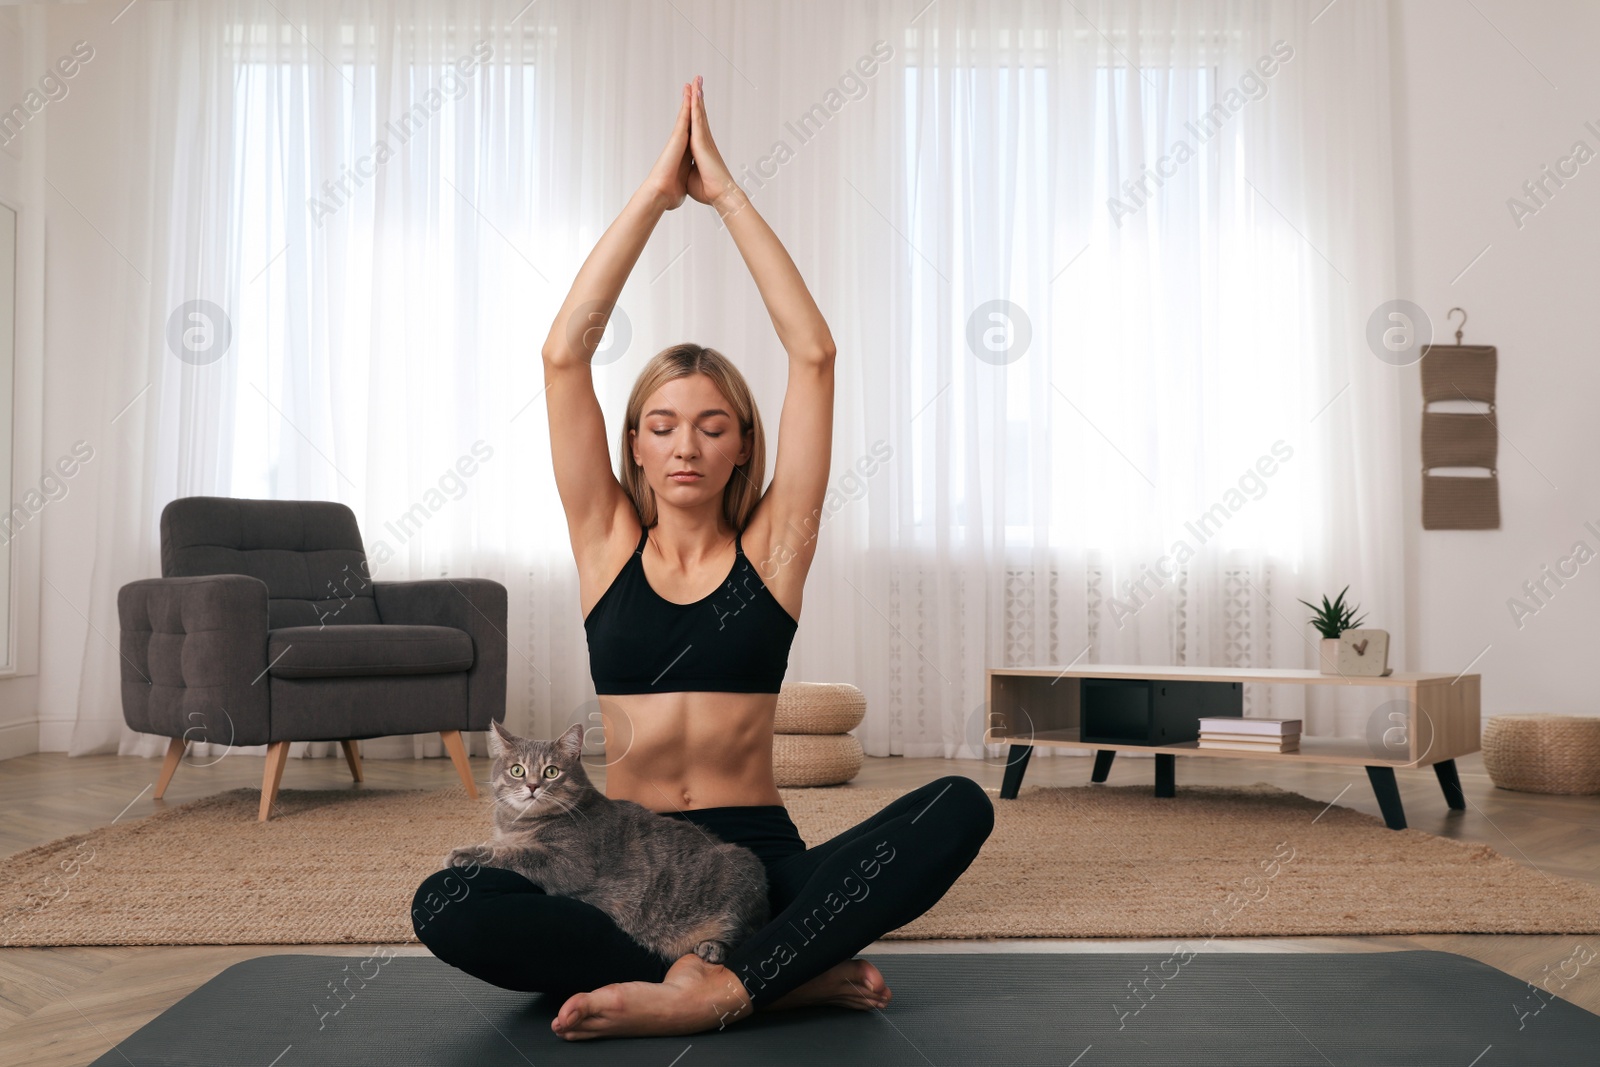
point(1330, 620)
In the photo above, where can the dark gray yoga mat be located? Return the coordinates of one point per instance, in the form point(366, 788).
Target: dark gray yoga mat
point(949, 1010)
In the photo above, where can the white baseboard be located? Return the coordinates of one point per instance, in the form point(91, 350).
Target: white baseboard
point(55, 735)
point(19, 739)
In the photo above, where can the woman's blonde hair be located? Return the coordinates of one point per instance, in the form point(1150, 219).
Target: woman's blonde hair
point(743, 491)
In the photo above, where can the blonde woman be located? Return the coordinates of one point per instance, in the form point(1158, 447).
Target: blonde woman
point(690, 579)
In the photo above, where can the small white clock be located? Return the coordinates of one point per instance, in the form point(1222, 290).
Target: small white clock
point(1364, 652)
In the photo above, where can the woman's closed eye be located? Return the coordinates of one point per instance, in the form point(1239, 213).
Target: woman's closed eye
point(708, 433)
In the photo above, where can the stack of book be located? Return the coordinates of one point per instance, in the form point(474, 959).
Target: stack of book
point(1251, 735)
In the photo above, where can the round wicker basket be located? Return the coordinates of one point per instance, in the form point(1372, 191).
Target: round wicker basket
point(819, 708)
point(1543, 753)
point(815, 759)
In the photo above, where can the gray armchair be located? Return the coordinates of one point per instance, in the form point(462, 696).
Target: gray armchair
point(266, 627)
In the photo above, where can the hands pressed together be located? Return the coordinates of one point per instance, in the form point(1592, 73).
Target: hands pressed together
point(690, 165)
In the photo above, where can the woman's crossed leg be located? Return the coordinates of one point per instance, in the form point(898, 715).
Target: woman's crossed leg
point(842, 895)
point(830, 902)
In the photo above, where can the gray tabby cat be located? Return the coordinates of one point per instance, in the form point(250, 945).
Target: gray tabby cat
point(673, 887)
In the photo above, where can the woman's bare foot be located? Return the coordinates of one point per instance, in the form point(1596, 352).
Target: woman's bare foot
point(694, 996)
point(851, 984)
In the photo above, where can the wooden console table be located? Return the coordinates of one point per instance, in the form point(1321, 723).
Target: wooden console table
point(1031, 706)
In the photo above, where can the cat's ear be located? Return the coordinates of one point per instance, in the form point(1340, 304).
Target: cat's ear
point(570, 744)
point(499, 740)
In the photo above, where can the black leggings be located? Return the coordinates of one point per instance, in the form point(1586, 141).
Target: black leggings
point(828, 902)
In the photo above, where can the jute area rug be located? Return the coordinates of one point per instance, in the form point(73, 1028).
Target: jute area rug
point(340, 866)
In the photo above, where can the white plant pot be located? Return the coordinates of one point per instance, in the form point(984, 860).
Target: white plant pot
point(1328, 655)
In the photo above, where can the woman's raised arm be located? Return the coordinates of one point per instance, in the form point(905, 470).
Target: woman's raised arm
point(590, 493)
point(791, 509)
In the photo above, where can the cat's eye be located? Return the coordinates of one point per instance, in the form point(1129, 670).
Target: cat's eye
point(517, 771)
point(552, 771)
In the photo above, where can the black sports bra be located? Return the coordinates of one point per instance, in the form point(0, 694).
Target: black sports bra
point(735, 640)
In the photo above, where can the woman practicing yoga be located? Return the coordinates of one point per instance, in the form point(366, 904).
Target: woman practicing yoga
point(689, 679)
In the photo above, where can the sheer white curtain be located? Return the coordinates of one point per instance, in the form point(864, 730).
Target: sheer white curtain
point(1087, 411)
point(1180, 430)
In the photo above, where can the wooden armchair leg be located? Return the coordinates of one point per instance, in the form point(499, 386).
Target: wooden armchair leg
point(352, 756)
point(458, 755)
point(175, 749)
point(277, 756)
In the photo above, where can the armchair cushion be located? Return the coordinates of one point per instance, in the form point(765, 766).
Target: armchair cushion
point(354, 651)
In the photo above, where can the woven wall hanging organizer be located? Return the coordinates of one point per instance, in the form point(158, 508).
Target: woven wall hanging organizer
point(1457, 439)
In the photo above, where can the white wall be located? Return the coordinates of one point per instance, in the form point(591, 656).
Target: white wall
point(62, 168)
point(93, 253)
point(1483, 103)
point(22, 188)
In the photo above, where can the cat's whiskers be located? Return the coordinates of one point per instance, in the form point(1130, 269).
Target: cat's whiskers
point(567, 807)
point(521, 811)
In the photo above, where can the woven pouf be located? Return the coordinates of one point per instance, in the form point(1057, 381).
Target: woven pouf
point(811, 743)
point(1542, 753)
point(819, 708)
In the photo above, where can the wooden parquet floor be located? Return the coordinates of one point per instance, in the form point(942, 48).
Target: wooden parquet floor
point(67, 1006)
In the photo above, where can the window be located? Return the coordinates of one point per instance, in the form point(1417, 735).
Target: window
point(1160, 362)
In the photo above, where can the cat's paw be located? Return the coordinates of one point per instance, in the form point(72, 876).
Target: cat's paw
point(712, 951)
point(469, 856)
